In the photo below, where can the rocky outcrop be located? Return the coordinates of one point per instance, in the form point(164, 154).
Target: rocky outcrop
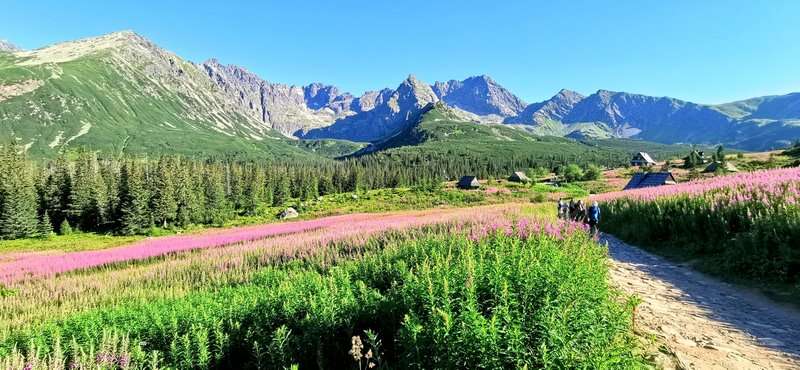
point(285, 108)
point(553, 109)
point(479, 95)
point(388, 114)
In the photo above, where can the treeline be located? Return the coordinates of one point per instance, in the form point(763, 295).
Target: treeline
point(131, 195)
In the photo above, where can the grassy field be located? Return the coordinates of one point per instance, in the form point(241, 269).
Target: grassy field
point(452, 294)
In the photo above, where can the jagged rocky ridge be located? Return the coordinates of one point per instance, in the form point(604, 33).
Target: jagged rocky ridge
point(146, 90)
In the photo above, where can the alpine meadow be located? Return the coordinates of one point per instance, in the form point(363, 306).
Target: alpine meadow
point(166, 203)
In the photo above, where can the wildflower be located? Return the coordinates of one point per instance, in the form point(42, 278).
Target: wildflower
point(356, 347)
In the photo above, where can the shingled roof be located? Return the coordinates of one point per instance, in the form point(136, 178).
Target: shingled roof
point(642, 159)
point(468, 182)
point(649, 179)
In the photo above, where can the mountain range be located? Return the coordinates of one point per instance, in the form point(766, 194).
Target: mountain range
point(121, 92)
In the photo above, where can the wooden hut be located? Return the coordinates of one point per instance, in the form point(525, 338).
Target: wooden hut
point(719, 166)
point(650, 179)
point(642, 159)
point(519, 176)
point(468, 182)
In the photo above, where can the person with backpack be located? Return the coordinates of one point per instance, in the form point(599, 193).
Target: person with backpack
point(593, 218)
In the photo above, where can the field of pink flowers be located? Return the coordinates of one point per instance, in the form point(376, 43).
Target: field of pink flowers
point(20, 266)
point(43, 286)
point(213, 299)
point(783, 182)
point(745, 224)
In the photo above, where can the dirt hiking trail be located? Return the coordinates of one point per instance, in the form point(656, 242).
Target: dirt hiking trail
point(703, 322)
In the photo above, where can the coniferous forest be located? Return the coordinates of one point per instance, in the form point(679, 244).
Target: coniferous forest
point(129, 195)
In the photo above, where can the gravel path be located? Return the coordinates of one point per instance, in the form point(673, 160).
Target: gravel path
point(705, 323)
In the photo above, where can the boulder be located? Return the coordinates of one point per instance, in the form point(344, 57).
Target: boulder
point(288, 213)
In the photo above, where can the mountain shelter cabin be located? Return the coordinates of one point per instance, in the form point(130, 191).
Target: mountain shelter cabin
point(519, 176)
point(642, 159)
point(468, 182)
point(650, 179)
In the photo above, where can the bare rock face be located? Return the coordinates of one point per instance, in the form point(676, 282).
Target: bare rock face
point(286, 108)
point(370, 100)
point(480, 95)
point(553, 109)
point(381, 114)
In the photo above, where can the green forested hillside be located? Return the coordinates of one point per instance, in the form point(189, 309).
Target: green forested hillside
point(119, 93)
point(452, 146)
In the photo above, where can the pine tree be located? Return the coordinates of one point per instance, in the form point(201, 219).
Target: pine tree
point(45, 227)
point(253, 192)
point(163, 203)
point(186, 196)
point(56, 193)
point(216, 205)
point(65, 228)
point(282, 191)
point(134, 214)
point(87, 196)
point(18, 205)
point(325, 185)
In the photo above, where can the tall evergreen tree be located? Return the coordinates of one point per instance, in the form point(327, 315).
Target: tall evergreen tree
point(134, 213)
point(282, 190)
point(87, 196)
point(216, 205)
point(18, 217)
point(163, 203)
point(253, 192)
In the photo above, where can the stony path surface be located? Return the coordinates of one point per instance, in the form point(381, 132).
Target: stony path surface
point(705, 323)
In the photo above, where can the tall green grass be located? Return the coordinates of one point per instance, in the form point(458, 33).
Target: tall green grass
point(441, 301)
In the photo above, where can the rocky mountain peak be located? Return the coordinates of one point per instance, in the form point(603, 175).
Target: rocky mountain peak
point(553, 109)
point(480, 95)
point(8, 47)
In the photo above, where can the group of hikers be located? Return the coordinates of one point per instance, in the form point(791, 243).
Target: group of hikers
point(577, 211)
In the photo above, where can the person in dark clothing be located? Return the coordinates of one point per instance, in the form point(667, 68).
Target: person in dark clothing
point(572, 210)
point(580, 212)
point(593, 218)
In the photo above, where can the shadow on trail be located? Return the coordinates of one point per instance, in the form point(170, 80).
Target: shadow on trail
point(773, 325)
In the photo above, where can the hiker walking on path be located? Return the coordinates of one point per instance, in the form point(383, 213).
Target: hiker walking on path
point(580, 212)
point(593, 218)
point(563, 209)
point(572, 208)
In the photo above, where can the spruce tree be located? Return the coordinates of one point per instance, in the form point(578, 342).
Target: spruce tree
point(281, 192)
point(45, 227)
point(216, 205)
point(56, 192)
point(253, 192)
point(18, 217)
point(163, 203)
point(87, 195)
point(134, 213)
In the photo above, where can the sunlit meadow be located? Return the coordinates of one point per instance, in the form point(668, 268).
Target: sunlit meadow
point(488, 286)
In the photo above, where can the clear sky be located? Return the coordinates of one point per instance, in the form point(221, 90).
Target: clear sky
point(707, 51)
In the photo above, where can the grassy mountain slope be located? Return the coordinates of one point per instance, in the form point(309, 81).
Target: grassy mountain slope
point(120, 93)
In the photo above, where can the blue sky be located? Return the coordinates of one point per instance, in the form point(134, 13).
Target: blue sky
point(708, 51)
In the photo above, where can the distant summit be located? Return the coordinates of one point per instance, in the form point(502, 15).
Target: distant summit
point(121, 91)
point(480, 95)
point(6, 46)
